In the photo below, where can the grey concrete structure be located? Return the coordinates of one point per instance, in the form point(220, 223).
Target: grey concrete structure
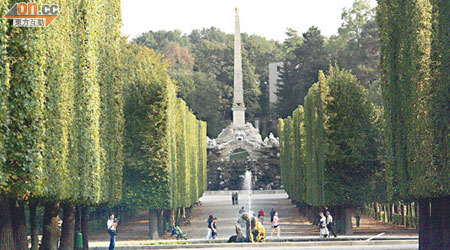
point(238, 101)
point(262, 159)
point(274, 81)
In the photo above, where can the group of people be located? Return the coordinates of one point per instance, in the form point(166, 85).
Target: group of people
point(273, 219)
point(325, 224)
point(235, 198)
point(212, 228)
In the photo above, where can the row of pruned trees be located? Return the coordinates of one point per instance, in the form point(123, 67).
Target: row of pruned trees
point(83, 111)
point(341, 151)
point(416, 91)
point(328, 148)
point(165, 145)
point(61, 120)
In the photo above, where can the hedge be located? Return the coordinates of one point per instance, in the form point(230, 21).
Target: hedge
point(165, 156)
point(328, 154)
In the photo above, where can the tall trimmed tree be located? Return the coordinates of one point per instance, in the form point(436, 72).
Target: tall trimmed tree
point(414, 37)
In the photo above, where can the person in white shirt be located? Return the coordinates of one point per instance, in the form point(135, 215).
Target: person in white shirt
point(330, 224)
point(112, 229)
point(323, 225)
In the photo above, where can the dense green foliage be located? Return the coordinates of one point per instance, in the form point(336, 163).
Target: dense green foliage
point(23, 142)
point(415, 93)
point(63, 112)
point(415, 65)
point(328, 153)
point(315, 146)
point(355, 48)
point(4, 86)
point(292, 155)
point(57, 180)
point(63, 124)
point(440, 93)
point(165, 145)
point(300, 68)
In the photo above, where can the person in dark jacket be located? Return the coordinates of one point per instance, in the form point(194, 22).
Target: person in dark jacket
point(209, 230)
point(272, 213)
point(214, 228)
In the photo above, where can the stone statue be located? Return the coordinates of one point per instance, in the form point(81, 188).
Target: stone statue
point(238, 237)
point(254, 229)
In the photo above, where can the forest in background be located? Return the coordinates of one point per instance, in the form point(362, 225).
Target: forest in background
point(202, 65)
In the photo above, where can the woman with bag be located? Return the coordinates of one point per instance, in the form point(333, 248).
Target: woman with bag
point(323, 225)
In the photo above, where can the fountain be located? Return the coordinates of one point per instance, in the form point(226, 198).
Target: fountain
point(248, 186)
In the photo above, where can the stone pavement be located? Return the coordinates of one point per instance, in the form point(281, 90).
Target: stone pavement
point(218, 203)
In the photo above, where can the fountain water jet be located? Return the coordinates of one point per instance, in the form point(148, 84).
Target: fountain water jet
point(247, 185)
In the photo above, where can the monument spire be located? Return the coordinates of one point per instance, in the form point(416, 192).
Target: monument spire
point(238, 94)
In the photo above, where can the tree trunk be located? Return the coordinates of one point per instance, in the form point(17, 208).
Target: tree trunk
point(437, 213)
point(6, 228)
point(51, 231)
point(312, 215)
point(424, 225)
point(348, 220)
point(178, 219)
point(167, 218)
point(446, 222)
point(391, 208)
point(85, 227)
point(68, 228)
point(77, 223)
point(172, 217)
point(160, 223)
point(339, 219)
point(409, 213)
point(375, 211)
point(153, 224)
point(17, 210)
point(416, 205)
point(402, 210)
point(34, 225)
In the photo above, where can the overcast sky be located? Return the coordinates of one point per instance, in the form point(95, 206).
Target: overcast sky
point(268, 18)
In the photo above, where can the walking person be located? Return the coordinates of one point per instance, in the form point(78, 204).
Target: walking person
point(209, 230)
point(275, 224)
point(330, 224)
point(112, 230)
point(272, 213)
point(358, 219)
point(261, 216)
point(233, 198)
point(236, 198)
point(323, 225)
point(214, 228)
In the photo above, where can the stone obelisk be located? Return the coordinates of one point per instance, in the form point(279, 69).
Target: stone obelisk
point(238, 102)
